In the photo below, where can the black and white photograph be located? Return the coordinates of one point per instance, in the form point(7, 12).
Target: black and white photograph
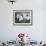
point(22, 16)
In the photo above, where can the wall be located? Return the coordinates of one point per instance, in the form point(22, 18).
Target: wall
point(37, 31)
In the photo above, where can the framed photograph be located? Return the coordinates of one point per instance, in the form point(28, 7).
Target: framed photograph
point(22, 17)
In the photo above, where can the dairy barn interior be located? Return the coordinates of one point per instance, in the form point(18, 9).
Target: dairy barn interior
point(36, 32)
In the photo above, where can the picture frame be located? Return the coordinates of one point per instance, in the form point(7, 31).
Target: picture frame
point(22, 17)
